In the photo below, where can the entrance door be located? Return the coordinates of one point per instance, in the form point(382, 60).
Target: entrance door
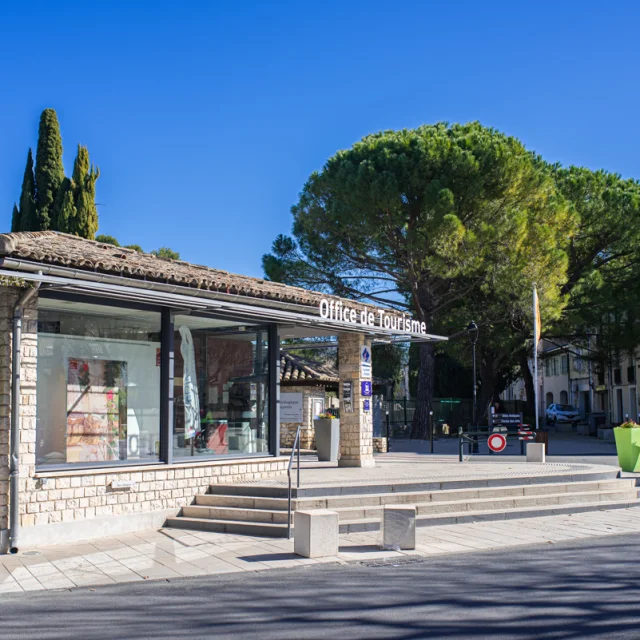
point(620, 405)
point(633, 406)
point(317, 407)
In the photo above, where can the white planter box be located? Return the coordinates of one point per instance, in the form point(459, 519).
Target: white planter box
point(327, 439)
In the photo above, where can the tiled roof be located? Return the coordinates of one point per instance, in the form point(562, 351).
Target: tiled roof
point(60, 249)
point(294, 368)
point(297, 369)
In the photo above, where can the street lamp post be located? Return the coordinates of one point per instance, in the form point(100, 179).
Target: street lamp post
point(473, 331)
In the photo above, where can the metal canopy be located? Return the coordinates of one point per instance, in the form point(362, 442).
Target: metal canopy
point(176, 297)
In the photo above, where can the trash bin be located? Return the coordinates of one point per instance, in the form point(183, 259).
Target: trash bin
point(542, 436)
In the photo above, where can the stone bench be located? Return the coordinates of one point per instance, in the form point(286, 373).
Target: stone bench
point(315, 533)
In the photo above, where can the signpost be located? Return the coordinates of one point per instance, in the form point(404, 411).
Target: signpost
point(347, 395)
point(366, 390)
point(497, 442)
point(506, 419)
point(291, 407)
point(365, 362)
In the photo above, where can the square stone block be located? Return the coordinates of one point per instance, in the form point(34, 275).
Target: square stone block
point(399, 526)
point(535, 452)
point(315, 533)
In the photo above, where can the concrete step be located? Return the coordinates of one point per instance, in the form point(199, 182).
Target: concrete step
point(233, 513)
point(411, 497)
point(322, 491)
point(279, 530)
point(240, 502)
point(497, 504)
point(373, 524)
point(267, 529)
point(429, 506)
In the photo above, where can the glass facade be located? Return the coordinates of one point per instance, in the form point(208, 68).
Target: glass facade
point(221, 372)
point(104, 385)
point(98, 384)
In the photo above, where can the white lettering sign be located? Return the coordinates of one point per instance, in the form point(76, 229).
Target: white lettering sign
point(290, 407)
point(402, 323)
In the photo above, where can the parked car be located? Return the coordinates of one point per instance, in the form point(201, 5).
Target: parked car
point(562, 413)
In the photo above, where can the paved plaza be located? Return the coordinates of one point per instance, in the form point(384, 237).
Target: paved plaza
point(169, 554)
point(403, 467)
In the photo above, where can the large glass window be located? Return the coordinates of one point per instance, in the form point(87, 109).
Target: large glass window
point(220, 388)
point(98, 398)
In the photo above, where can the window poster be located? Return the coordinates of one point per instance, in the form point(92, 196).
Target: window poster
point(96, 409)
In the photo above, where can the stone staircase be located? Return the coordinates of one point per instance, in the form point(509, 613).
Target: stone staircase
point(261, 510)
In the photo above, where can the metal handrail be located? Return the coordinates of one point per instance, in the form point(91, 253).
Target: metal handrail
point(296, 443)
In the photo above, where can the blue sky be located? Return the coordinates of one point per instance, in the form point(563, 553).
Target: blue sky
point(206, 118)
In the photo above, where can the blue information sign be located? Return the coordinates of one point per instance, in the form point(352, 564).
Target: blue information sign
point(367, 405)
point(366, 390)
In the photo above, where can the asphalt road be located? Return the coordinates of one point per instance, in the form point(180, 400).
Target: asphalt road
point(586, 589)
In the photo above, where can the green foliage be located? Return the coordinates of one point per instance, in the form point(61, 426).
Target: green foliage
point(51, 201)
point(437, 220)
point(604, 268)
point(65, 212)
point(25, 218)
point(15, 218)
point(135, 247)
point(165, 253)
point(49, 172)
point(85, 176)
point(388, 362)
point(105, 239)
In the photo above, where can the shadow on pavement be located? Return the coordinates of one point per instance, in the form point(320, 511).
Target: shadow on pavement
point(576, 590)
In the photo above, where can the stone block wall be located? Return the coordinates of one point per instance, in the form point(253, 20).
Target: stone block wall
point(307, 433)
point(380, 445)
point(68, 496)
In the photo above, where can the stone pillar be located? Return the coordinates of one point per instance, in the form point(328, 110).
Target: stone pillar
point(356, 427)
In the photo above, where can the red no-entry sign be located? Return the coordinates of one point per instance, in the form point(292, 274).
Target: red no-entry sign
point(497, 442)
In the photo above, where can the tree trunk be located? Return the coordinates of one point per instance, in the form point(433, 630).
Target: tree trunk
point(487, 389)
point(529, 383)
point(424, 396)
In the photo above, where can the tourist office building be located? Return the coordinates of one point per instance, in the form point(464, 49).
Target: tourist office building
point(129, 383)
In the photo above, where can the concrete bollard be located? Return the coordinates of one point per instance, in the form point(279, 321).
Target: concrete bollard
point(399, 526)
point(535, 452)
point(315, 533)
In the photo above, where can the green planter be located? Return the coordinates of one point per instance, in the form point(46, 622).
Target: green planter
point(628, 448)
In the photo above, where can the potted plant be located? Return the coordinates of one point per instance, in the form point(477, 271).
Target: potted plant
point(327, 428)
point(627, 437)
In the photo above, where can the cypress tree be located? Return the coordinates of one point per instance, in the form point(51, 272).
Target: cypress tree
point(49, 169)
point(15, 218)
point(26, 220)
point(84, 178)
point(65, 215)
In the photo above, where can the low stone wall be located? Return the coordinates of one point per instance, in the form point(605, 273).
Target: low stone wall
point(380, 445)
point(67, 496)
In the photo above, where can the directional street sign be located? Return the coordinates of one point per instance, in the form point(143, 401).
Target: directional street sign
point(497, 442)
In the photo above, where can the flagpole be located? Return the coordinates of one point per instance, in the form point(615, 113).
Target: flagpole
point(536, 338)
